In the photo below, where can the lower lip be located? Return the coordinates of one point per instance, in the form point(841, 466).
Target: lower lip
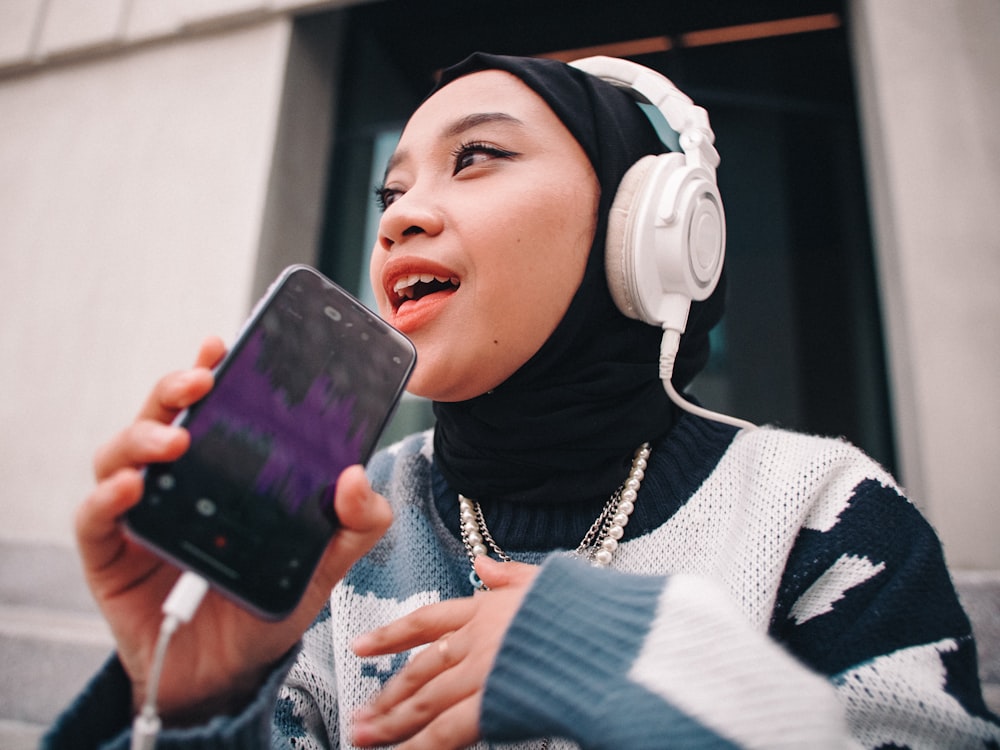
point(414, 314)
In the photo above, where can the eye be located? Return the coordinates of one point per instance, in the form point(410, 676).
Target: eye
point(470, 154)
point(386, 196)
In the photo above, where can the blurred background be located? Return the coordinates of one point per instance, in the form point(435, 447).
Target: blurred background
point(162, 160)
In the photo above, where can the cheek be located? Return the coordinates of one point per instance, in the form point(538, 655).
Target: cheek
point(567, 232)
point(546, 255)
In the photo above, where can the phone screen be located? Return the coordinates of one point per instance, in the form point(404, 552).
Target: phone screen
point(306, 392)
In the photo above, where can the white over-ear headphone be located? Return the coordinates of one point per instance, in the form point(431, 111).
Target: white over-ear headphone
point(666, 236)
point(666, 231)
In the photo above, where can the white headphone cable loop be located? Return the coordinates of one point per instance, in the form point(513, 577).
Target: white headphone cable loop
point(668, 355)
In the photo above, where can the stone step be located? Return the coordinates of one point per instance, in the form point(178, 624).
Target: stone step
point(52, 638)
point(16, 735)
point(979, 591)
point(46, 657)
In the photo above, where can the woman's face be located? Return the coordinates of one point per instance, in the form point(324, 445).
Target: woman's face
point(490, 206)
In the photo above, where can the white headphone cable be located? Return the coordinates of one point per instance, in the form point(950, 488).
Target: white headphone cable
point(178, 608)
point(668, 354)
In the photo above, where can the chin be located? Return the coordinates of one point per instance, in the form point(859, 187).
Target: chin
point(436, 394)
point(429, 387)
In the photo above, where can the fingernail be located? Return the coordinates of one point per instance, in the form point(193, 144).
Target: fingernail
point(185, 381)
point(164, 435)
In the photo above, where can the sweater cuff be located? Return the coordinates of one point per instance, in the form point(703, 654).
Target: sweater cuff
point(100, 712)
point(613, 660)
point(109, 696)
point(250, 728)
point(567, 651)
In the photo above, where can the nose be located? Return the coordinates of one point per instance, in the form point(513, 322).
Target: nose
point(411, 214)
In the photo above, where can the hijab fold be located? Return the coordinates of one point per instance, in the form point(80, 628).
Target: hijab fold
point(564, 426)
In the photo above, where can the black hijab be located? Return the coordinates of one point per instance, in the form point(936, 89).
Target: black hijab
point(564, 426)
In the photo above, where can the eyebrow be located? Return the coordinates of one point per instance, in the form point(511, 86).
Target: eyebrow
point(458, 127)
point(478, 118)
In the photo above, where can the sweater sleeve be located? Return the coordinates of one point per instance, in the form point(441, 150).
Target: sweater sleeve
point(100, 718)
point(866, 599)
point(867, 646)
point(100, 713)
point(613, 660)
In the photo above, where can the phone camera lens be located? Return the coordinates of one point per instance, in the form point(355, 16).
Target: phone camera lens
point(332, 313)
point(205, 506)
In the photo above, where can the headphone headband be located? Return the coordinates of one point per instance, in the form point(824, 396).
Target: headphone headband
point(687, 119)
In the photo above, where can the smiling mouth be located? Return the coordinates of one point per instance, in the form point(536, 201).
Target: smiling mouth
point(419, 285)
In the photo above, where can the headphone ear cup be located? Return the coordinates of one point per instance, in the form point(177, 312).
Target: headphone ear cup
point(665, 241)
point(635, 201)
point(619, 258)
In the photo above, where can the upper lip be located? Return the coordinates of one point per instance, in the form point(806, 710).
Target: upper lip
point(400, 277)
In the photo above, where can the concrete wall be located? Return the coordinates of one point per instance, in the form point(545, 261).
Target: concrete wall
point(133, 192)
point(929, 73)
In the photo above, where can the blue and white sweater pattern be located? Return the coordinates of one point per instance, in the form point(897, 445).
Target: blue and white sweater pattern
point(773, 590)
point(785, 602)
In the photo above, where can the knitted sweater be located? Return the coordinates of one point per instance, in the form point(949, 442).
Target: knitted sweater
point(772, 590)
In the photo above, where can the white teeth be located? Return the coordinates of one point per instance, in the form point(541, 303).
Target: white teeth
point(404, 284)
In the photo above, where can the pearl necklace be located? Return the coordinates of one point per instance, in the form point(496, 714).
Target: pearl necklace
point(598, 544)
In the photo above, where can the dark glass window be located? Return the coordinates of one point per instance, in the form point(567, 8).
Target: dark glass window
point(801, 344)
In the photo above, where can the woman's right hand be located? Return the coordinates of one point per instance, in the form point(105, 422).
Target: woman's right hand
point(216, 662)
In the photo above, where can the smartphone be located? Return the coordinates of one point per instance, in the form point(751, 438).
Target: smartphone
point(305, 391)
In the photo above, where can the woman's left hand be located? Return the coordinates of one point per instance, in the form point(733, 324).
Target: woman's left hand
point(434, 701)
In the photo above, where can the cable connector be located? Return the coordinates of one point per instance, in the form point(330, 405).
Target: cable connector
point(178, 608)
point(185, 597)
point(669, 345)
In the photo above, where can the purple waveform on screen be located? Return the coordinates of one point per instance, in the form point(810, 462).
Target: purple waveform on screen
point(307, 444)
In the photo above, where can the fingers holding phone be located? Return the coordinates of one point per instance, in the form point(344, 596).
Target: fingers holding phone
point(151, 438)
point(180, 390)
point(305, 392)
point(118, 463)
point(244, 468)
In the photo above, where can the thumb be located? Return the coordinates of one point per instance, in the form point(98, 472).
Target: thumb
point(362, 512)
point(364, 517)
point(500, 574)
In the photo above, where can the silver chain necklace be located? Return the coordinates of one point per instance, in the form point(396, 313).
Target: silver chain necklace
point(598, 544)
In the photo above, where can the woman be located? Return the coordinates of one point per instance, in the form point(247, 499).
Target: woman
point(765, 588)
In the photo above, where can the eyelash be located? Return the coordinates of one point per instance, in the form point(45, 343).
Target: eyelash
point(385, 197)
point(478, 147)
